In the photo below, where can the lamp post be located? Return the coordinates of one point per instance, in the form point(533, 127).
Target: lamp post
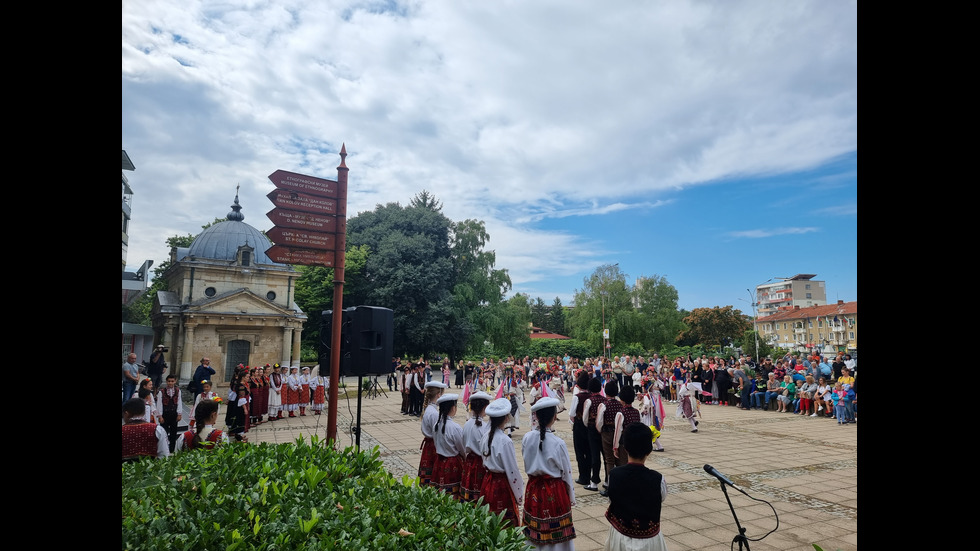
point(755, 325)
point(605, 337)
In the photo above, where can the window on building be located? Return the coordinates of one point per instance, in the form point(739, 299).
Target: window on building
point(809, 295)
point(819, 323)
point(851, 335)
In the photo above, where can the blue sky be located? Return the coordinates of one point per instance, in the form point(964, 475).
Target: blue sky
point(713, 143)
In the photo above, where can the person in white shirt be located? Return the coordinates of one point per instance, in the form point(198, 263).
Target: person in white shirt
point(503, 485)
point(448, 437)
point(550, 493)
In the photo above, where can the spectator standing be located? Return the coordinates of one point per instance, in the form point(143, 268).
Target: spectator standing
point(156, 366)
point(130, 376)
point(204, 372)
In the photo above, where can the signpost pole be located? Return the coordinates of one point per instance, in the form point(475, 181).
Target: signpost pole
point(338, 295)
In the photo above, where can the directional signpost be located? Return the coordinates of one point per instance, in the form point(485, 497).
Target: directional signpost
point(310, 218)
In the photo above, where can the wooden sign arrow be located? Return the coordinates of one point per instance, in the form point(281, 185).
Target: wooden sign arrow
point(305, 257)
point(307, 184)
point(302, 238)
point(323, 223)
point(304, 202)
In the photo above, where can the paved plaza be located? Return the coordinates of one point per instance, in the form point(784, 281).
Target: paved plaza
point(804, 468)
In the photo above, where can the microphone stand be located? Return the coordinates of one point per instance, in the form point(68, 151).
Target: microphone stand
point(740, 538)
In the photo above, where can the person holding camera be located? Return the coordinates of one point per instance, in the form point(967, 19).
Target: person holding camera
point(157, 365)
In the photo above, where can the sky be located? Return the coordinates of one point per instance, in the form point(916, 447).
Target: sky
point(710, 143)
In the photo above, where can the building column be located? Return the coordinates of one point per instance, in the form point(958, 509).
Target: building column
point(186, 359)
point(297, 342)
point(287, 339)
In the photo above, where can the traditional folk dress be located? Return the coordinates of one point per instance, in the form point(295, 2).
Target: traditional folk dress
point(319, 389)
point(550, 492)
point(448, 471)
point(260, 398)
point(275, 396)
point(171, 408)
point(151, 415)
point(503, 485)
point(304, 390)
point(471, 484)
point(635, 497)
point(427, 461)
point(209, 395)
point(210, 438)
point(292, 394)
point(143, 439)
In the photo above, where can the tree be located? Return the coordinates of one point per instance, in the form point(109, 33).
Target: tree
point(314, 291)
point(539, 314)
point(556, 317)
point(714, 326)
point(605, 296)
point(408, 270)
point(657, 300)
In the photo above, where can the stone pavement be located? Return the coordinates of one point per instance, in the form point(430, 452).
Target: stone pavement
point(804, 468)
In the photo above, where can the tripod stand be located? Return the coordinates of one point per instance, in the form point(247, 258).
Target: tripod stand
point(375, 388)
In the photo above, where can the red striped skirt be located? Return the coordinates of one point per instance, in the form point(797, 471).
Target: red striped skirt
point(471, 484)
point(498, 495)
point(547, 511)
point(447, 473)
point(292, 396)
point(304, 395)
point(428, 461)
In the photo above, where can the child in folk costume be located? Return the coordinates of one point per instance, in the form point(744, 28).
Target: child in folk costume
point(635, 497)
point(139, 437)
point(550, 493)
point(503, 485)
point(687, 407)
point(275, 393)
point(145, 392)
point(237, 416)
point(261, 395)
point(206, 394)
point(430, 415)
point(292, 385)
point(516, 409)
point(254, 383)
point(653, 412)
point(628, 416)
point(448, 437)
point(318, 387)
point(206, 436)
point(475, 428)
point(171, 408)
point(535, 396)
point(304, 391)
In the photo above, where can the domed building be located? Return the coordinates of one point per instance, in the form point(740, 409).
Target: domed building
point(226, 300)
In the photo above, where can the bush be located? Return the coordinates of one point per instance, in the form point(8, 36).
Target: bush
point(298, 497)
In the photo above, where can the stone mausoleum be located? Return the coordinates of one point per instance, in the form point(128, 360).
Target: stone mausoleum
point(228, 301)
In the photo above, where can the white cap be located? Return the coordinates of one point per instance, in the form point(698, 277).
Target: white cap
point(498, 408)
point(482, 395)
point(447, 398)
point(546, 402)
point(435, 384)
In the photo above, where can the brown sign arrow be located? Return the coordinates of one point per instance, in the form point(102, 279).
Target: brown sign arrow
point(305, 257)
point(304, 202)
point(323, 223)
point(307, 184)
point(302, 238)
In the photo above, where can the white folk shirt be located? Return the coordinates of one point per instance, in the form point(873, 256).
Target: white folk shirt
point(503, 459)
point(551, 460)
point(473, 434)
point(429, 418)
point(449, 442)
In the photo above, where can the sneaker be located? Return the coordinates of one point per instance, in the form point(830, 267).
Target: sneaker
point(695, 430)
point(814, 415)
point(592, 487)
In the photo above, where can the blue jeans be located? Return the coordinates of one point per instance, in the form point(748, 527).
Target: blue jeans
point(757, 399)
point(128, 388)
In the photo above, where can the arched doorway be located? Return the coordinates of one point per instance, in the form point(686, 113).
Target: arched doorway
point(238, 353)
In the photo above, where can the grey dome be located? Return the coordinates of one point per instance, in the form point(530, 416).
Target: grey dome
point(221, 241)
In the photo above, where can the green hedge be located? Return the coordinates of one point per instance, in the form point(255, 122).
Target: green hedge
point(300, 496)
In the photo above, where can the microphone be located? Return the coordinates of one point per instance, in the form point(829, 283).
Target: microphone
point(714, 472)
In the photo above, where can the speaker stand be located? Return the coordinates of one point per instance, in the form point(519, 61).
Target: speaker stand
point(375, 389)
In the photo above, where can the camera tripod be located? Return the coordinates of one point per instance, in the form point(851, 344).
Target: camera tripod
point(375, 388)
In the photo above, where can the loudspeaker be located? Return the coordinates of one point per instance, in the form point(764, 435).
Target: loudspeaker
point(326, 339)
point(371, 339)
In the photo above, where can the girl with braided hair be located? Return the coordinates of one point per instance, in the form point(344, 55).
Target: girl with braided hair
point(448, 437)
point(473, 431)
point(206, 436)
point(503, 485)
point(430, 415)
point(550, 491)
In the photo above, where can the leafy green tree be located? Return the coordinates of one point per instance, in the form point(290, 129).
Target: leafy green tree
point(539, 314)
point(315, 287)
point(657, 300)
point(605, 297)
point(556, 317)
point(716, 326)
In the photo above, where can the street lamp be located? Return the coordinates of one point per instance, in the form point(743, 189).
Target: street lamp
point(605, 338)
point(755, 325)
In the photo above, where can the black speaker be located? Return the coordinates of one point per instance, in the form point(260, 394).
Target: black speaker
point(371, 338)
point(326, 339)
